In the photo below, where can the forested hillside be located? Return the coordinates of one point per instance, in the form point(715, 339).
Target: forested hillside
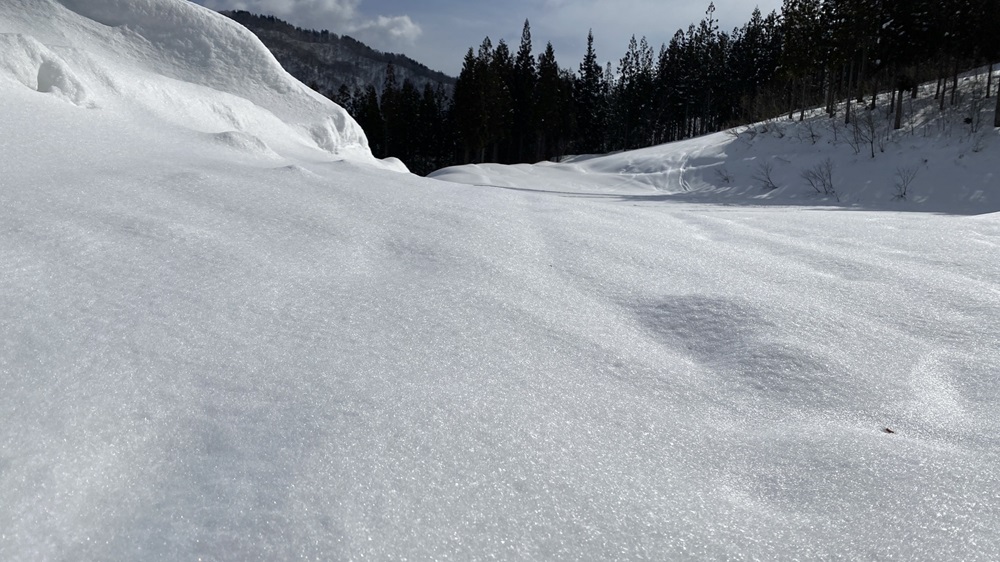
point(333, 63)
point(514, 106)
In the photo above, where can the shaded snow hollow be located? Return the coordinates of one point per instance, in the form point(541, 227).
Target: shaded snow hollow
point(223, 338)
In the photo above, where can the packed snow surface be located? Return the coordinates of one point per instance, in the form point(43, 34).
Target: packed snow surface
point(228, 333)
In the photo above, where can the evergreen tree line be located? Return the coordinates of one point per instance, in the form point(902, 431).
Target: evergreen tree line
point(512, 107)
point(402, 121)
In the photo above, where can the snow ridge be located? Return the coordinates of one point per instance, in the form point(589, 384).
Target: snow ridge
point(186, 64)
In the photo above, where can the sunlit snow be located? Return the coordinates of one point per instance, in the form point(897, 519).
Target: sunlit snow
point(229, 333)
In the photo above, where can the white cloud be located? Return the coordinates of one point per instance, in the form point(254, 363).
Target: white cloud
point(401, 28)
point(338, 16)
point(303, 10)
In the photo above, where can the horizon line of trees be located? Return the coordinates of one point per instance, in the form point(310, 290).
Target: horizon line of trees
point(513, 107)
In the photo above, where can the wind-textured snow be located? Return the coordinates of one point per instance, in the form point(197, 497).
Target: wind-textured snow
point(228, 333)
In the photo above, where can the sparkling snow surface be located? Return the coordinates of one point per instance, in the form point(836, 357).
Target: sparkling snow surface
point(226, 332)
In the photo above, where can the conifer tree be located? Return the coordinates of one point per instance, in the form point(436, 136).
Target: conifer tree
point(388, 105)
point(801, 54)
point(753, 61)
point(590, 100)
point(711, 51)
point(500, 85)
point(469, 108)
point(549, 104)
point(523, 99)
point(670, 88)
point(343, 98)
point(405, 123)
point(633, 75)
point(369, 116)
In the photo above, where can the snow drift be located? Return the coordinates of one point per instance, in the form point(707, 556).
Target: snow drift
point(176, 61)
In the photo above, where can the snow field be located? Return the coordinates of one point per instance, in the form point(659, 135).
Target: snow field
point(220, 340)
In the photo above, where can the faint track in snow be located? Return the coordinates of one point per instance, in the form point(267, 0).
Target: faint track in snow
point(682, 181)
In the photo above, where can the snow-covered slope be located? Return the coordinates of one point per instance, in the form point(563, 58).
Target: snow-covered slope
point(224, 342)
point(950, 164)
point(175, 62)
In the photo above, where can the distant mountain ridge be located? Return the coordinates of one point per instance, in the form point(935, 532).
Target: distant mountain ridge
point(327, 61)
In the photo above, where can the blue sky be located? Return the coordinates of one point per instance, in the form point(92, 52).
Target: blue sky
point(438, 32)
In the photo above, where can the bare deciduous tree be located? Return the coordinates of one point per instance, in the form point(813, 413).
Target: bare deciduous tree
point(763, 176)
point(820, 178)
point(904, 177)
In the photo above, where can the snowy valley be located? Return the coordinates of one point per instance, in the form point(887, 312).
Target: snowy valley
point(227, 332)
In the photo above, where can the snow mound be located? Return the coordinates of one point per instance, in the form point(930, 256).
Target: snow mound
point(295, 169)
point(176, 61)
point(29, 62)
point(243, 142)
point(188, 43)
point(394, 164)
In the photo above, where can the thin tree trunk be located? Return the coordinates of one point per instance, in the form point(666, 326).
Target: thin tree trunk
point(937, 83)
point(802, 107)
point(874, 95)
point(954, 84)
point(834, 91)
point(892, 100)
point(830, 108)
point(898, 123)
point(996, 114)
point(859, 81)
point(989, 80)
point(944, 84)
point(850, 92)
point(791, 101)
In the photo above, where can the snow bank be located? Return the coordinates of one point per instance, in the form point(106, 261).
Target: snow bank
point(173, 59)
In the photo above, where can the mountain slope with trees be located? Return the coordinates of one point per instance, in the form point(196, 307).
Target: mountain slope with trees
point(837, 54)
point(328, 61)
point(841, 55)
point(522, 106)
